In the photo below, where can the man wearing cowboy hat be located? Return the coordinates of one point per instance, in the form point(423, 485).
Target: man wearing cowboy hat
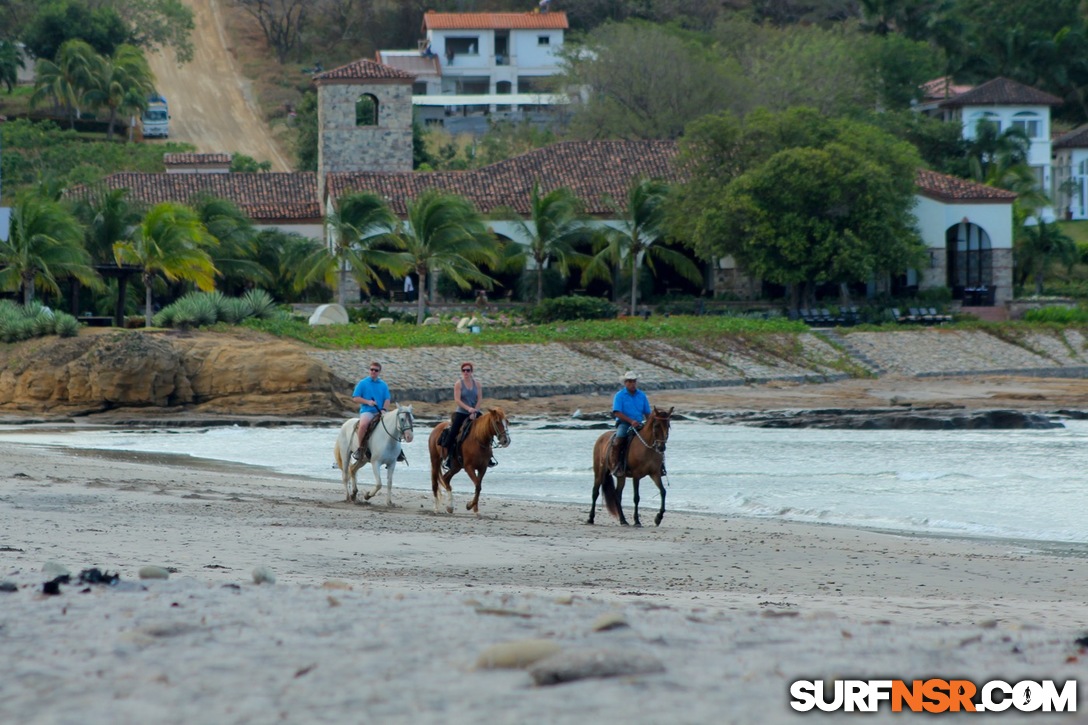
point(630, 408)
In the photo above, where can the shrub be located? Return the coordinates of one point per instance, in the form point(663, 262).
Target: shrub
point(572, 308)
point(1058, 314)
point(259, 304)
point(200, 309)
point(66, 325)
point(35, 320)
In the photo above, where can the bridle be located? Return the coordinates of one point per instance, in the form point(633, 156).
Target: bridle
point(500, 433)
point(656, 445)
point(405, 423)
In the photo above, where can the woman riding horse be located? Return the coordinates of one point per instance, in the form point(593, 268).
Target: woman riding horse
point(486, 430)
point(644, 457)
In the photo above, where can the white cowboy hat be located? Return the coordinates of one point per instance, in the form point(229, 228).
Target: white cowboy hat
point(630, 375)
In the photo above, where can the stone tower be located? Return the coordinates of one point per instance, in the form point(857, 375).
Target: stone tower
point(364, 115)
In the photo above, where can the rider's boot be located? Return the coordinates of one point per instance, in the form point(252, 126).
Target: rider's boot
point(619, 456)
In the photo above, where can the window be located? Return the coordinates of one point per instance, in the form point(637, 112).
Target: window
point(366, 110)
point(977, 119)
point(543, 40)
point(1029, 123)
point(468, 45)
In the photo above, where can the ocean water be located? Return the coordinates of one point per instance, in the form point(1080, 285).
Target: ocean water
point(1024, 485)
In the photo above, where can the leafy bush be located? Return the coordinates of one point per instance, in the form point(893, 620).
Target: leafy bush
point(375, 310)
point(1058, 314)
point(572, 308)
point(34, 320)
point(201, 309)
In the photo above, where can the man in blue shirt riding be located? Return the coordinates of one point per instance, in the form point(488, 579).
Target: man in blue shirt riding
point(372, 395)
point(630, 407)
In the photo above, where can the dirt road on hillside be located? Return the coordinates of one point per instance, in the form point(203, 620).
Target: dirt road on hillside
point(211, 105)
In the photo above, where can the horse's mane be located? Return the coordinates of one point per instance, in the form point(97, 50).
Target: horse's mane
point(482, 432)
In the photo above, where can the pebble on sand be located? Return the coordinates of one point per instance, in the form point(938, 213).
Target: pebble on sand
point(612, 620)
point(580, 664)
point(263, 575)
point(520, 653)
point(153, 572)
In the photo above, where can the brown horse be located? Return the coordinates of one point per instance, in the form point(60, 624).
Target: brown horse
point(476, 450)
point(645, 457)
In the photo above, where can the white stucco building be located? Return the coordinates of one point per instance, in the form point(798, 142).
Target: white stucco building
point(483, 63)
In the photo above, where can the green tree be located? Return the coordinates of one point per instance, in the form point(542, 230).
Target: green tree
point(555, 226)
point(11, 60)
point(68, 78)
point(642, 223)
point(801, 198)
point(63, 20)
point(363, 227)
point(44, 245)
point(172, 242)
point(159, 23)
point(284, 254)
point(444, 234)
point(243, 164)
point(306, 123)
point(1040, 246)
point(121, 83)
point(643, 81)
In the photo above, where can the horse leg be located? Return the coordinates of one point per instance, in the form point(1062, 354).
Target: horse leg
point(635, 498)
point(389, 483)
point(620, 481)
point(377, 466)
point(661, 488)
point(593, 501)
point(477, 477)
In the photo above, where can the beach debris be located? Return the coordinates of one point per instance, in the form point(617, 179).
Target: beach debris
point(333, 601)
point(612, 620)
point(54, 569)
point(586, 663)
point(305, 670)
point(1081, 641)
point(7, 586)
point(95, 575)
point(336, 584)
point(500, 612)
point(517, 654)
point(153, 572)
point(51, 588)
point(263, 575)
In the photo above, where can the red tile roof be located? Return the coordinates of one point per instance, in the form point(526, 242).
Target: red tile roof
point(943, 187)
point(941, 88)
point(263, 197)
point(594, 170)
point(495, 21)
point(1003, 92)
point(1075, 139)
point(196, 159)
point(363, 69)
point(414, 63)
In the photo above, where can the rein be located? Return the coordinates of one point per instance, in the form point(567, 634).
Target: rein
point(653, 446)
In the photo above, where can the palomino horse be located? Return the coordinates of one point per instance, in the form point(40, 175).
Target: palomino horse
point(645, 457)
point(392, 427)
point(488, 428)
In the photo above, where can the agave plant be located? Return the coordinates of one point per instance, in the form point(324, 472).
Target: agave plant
point(66, 325)
point(259, 303)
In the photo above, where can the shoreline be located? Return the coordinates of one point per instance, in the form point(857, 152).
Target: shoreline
point(703, 616)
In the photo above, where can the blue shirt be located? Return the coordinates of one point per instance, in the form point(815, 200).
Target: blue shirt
point(375, 390)
point(635, 405)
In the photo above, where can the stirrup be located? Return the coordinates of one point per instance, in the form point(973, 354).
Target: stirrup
point(492, 463)
point(402, 458)
point(358, 455)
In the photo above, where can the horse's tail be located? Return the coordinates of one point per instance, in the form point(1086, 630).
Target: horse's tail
point(608, 491)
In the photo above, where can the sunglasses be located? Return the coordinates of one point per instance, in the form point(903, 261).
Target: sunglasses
point(375, 370)
point(466, 370)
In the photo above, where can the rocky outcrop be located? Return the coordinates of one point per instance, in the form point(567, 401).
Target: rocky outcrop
point(243, 374)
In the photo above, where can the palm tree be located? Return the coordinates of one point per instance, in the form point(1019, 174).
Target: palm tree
point(361, 226)
point(445, 234)
point(642, 223)
point(68, 78)
point(170, 241)
point(44, 243)
point(552, 230)
point(235, 253)
point(108, 216)
point(121, 83)
point(1039, 246)
point(11, 60)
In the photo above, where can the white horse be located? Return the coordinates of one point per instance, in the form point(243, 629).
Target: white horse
point(384, 446)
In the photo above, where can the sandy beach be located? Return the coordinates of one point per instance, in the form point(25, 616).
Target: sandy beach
point(380, 615)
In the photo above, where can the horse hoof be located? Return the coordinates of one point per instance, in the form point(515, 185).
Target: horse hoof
point(449, 509)
point(624, 523)
point(589, 522)
point(638, 524)
point(657, 521)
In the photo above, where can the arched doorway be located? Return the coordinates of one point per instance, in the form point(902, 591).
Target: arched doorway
point(970, 264)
